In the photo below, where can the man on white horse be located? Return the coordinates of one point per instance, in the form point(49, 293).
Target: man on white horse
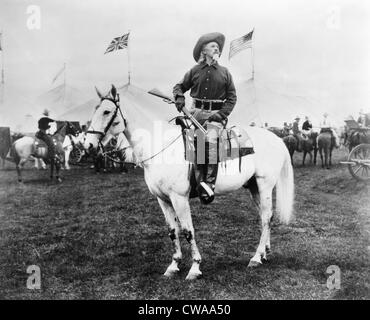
point(214, 97)
point(44, 125)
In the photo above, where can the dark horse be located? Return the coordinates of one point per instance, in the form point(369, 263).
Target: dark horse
point(25, 147)
point(325, 141)
point(356, 136)
point(308, 145)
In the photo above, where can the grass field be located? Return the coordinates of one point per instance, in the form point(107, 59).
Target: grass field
point(104, 237)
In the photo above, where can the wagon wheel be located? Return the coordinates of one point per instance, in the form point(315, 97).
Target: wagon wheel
point(360, 162)
point(76, 155)
point(115, 156)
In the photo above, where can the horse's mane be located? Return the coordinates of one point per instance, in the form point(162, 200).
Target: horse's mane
point(66, 123)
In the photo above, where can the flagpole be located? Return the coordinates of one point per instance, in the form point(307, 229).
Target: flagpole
point(2, 67)
point(252, 56)
point(64, 81)
point(128, 57)
point(252, 62)
point(65, 71)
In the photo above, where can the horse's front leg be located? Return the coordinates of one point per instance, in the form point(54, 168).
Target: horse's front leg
point(304, 157)
point(58, 165)
point(66, 159)
point(170, 216)
point(322, 159)
point(52, 162)
point(266, 214)
point(182, 209)
point(310, 154)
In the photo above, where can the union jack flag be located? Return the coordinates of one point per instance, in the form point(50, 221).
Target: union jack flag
point(118, 43)
point(241, 43)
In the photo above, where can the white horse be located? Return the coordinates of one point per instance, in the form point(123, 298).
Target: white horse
point(25, 148)
point(169, 181)
point(68, 144)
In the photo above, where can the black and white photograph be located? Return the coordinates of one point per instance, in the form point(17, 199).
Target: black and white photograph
point(184, 151)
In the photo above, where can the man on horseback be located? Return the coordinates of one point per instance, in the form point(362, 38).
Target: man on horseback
point(307, 126)
point(44, 125)
point(363, 119)
point(214, 97)
point(297, 133)
point(326, 126)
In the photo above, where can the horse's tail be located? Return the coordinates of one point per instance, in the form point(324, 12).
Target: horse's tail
point(285, 191)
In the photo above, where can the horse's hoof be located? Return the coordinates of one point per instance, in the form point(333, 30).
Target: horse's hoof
point(170, 273)
point(254, 264)
point(193, 276)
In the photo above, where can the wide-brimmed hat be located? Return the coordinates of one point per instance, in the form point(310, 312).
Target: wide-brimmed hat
point(297, 118)
point(207, 38)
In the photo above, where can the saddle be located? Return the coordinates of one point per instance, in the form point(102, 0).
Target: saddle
point(232, 143)
point(41, 148)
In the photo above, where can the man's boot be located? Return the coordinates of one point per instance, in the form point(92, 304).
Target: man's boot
point(208, 174)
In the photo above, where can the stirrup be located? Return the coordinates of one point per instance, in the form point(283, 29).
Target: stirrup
point(207, 196)
point(207, 189)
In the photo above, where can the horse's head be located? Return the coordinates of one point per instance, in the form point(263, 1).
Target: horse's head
point(107, 119)
point(71, 129)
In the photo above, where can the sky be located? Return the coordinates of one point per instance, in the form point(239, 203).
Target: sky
point(317, 49)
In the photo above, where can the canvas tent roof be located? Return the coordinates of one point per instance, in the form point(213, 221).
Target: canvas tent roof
point(154, 107)
point(256, 102)
point(59, 99)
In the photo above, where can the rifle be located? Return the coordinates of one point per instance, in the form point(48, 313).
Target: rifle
point(157, 93)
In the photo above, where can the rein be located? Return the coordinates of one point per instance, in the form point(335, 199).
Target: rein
point(103, 133)
point(142, 161)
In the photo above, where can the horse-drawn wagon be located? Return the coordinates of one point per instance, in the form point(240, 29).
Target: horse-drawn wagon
point(358, 141)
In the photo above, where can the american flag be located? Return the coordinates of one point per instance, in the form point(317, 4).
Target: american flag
point(118, 43)
point(240, 44)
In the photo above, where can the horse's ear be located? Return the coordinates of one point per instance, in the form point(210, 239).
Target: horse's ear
point(113, 92)
point(99, 93)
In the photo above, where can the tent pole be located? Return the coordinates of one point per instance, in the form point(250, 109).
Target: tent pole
point(128, 57)
point(2, 67)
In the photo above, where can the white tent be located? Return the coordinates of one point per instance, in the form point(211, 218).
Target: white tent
point(59, 100)
point(151, 105)
point(261, 104)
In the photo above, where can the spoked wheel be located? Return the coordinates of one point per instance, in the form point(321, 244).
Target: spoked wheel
point(359, 162)
point(115, 156)
point(76, 155)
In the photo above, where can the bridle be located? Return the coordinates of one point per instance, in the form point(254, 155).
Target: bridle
point(118, 109)
point(109, 124)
